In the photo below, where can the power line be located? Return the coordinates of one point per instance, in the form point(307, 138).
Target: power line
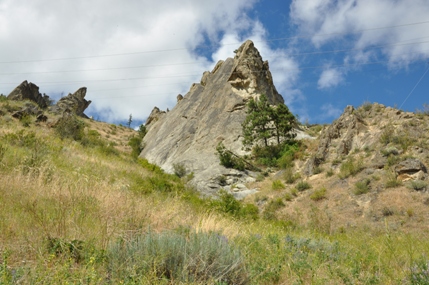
point(412, 90)
point(207, 46)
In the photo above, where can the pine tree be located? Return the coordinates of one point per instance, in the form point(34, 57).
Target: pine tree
point(264, 122)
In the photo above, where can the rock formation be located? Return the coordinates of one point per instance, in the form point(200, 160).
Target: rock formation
point(73, 103)
point(29, 91)
point(211, 112)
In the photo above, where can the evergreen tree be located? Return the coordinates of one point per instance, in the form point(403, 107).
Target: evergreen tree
point(264, 122)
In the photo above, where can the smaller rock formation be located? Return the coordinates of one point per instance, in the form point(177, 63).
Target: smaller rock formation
point(411, 169)
point(29, 91)
point(154, 116)
point(73, 103)
point(29, 109)
point(343, 131)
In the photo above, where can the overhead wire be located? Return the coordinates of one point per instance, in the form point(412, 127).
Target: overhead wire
point(208, 46)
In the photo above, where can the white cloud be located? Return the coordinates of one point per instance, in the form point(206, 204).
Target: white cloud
point(330, 77)
point(131, 82)
point(358, 20)
point(329, 112)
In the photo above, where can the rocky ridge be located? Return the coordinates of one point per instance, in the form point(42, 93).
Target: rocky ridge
point(71, 104)
point(211, 112)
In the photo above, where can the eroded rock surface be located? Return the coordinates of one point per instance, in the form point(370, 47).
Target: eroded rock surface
point(211, 112)
point(29, 91)
point(73, 103)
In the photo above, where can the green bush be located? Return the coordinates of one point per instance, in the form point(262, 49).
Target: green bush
point(319, 194)
point(302, 186)
point(350, 167)
point(277, 185)
point(179, 169)
point(70, 127)
point(227, 158)
point(176, 257)
point(362, 187)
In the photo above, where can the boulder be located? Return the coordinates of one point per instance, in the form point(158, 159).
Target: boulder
point(211, 112)
point(411, 169)
point(29, 91)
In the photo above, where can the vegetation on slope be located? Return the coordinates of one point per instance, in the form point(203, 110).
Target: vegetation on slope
point(82, 210)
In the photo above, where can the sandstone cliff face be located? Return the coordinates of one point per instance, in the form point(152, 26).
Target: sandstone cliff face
point(211, 112)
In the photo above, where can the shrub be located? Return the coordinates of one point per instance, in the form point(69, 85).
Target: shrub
point(179, 169)
point(186, 258)
point(228, 159)
point(70, 127)
point(288, 196)
point(350, 168)
point(290, 177)
point(302, 186)
point(417, 185)
point(271, 208)
point(135, 143)
point(392, 182)
point(25, 120)
point(319, 194)
point(329, 173)
point(277, 185)
point(362, 187)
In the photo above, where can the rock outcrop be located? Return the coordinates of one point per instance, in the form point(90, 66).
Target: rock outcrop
point(29, 91)
point(211, 112)
point(73, 103)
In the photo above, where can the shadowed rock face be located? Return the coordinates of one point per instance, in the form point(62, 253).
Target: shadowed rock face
point(29, 91)
point(211, 112)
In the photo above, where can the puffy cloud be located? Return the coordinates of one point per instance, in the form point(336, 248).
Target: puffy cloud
point(398, 27)
point(330, 77)
point(131, 55)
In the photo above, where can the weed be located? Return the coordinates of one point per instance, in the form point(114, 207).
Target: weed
point(319, 194)
point(362, 187)
point(392, 181)
point(277, 185)
point(294, 192)
point(302, 186)
point(330, 172)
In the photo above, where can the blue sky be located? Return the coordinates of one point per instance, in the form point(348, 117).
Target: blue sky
point(134, 55)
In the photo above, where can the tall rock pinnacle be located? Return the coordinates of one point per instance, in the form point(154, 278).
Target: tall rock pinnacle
point(211, 112)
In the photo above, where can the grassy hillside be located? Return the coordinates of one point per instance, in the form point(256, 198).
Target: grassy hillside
point(77, 208)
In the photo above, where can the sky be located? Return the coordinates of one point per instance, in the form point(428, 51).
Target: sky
point(133, 55)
